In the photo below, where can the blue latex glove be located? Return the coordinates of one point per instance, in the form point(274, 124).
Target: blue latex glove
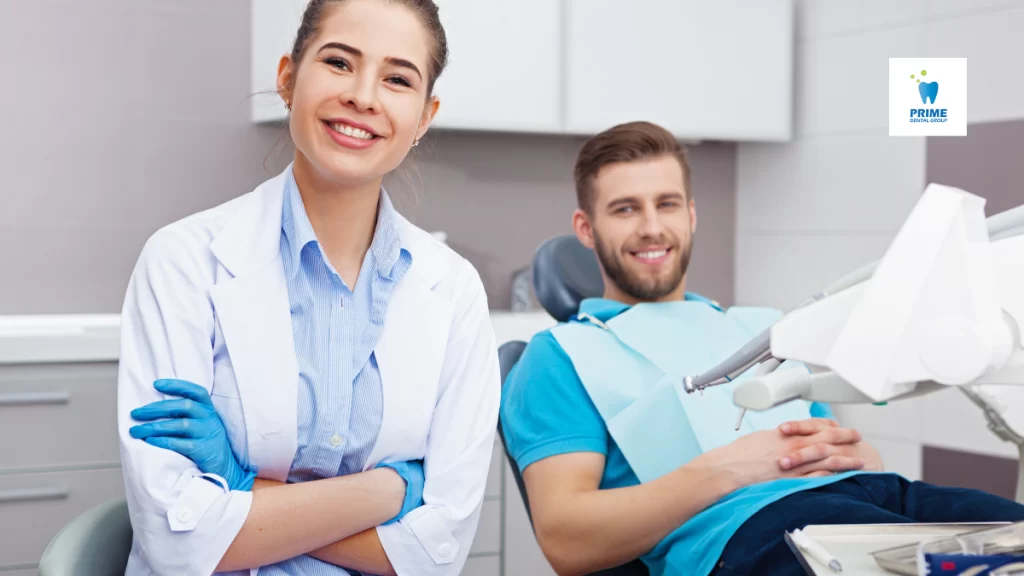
point(412, 472)
point(191, 427)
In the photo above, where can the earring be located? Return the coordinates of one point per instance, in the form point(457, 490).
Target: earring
point(416, 143)
point(288, 105)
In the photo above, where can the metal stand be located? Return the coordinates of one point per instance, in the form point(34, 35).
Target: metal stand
point(997, 424)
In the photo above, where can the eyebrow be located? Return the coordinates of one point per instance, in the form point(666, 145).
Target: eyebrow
point(633, 199)
point(621, 202)
point(359, 54)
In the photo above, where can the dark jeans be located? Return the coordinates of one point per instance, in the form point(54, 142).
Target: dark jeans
point(758, 546)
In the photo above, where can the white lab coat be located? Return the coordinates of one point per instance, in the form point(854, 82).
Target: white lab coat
point(208, 303)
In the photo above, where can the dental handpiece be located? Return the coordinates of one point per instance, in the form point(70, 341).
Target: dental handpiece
point(752, 353)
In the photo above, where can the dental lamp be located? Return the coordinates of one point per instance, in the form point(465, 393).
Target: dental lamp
point(943, 307)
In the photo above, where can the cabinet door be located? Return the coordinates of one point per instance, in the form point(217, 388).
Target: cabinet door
point(274, 25)
point(35, 506)
point(504, 70)
point(717, 70)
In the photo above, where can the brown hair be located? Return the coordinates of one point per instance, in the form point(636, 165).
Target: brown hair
point(425, 9)
point(629, 142)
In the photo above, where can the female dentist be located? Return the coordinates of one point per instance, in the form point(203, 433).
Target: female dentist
point(309, 383)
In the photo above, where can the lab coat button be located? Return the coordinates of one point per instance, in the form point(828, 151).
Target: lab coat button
point(184, 515)
point(336, 440)
point(444, 550)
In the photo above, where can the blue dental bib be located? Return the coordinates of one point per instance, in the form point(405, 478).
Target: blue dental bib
point(633, 368)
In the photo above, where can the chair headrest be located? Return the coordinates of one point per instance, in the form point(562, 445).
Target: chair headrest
point(565, 272)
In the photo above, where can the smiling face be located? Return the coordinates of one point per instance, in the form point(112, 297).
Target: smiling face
point(359, 95)
point(641, 226)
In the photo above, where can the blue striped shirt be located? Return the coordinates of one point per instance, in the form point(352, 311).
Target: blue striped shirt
point(340, 402)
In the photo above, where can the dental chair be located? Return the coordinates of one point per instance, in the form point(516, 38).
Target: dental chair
point(95, 543)
point(564, 273)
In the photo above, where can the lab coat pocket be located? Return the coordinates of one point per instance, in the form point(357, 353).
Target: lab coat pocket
point(230, 411)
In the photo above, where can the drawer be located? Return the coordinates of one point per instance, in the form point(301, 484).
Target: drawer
point(59, 414)
point(476, 566)
point(488, 532)
point(496, 472)
point(34, 507)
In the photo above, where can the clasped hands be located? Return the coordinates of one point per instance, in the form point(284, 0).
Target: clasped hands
point(189, 425)
point(820, 447)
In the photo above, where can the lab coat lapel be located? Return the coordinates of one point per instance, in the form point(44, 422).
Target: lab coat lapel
point(411, 351)
point(253, 309)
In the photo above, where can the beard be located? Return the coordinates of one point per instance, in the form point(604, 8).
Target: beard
point(640, 288)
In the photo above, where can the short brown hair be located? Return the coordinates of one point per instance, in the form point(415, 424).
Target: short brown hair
point(629, 142)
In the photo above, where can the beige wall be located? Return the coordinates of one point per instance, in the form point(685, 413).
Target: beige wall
point(120, 116)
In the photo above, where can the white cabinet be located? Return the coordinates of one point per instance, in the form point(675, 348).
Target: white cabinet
point(59, 451)
point(706, 70)
point(504, 70)
point(703, 69)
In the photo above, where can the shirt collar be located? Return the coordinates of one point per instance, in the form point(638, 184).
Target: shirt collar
point(605, 309)
point(386, 248)
point(387, 245)
point(602, 308)
point(694, 297)
point(295, 225)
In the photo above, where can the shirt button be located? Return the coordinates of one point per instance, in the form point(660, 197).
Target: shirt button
point(336, 440)
point(444, 550)
point(184, 515)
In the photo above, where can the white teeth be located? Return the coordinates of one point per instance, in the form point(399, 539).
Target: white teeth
point(654, 255)
point(350, 131)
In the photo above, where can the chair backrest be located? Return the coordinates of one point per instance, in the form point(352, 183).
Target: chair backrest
point(565, 272)
point(95, 543)
point(508, 354)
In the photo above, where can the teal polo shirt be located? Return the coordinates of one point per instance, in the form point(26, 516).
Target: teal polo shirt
point(546, 411)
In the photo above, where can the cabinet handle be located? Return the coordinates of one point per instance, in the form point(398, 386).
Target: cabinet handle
point(27, 494)
point(31, 398)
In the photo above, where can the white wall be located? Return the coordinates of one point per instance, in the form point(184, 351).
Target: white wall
point(811, 210)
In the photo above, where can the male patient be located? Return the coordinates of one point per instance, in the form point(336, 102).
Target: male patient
point(617, 465)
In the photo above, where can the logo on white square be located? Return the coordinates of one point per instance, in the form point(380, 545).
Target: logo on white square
point(927, 96)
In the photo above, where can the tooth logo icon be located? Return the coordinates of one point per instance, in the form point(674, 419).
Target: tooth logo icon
point(929, 90)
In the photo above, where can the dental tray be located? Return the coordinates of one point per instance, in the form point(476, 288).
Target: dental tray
point(854, 545)
point(1001, 539)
